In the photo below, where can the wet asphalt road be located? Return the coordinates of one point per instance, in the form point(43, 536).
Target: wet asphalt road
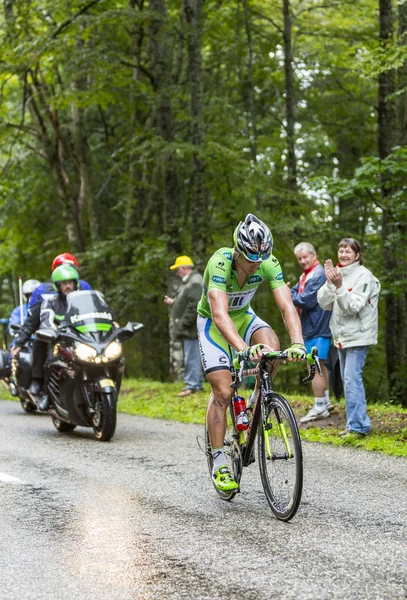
point(137, 518)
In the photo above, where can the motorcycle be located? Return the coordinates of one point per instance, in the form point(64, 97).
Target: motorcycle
point(16, 373)
point(85, 365)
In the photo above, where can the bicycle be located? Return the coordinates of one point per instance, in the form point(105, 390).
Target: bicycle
point(279, 443)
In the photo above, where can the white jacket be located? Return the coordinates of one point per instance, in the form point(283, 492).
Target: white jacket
point(354, 320)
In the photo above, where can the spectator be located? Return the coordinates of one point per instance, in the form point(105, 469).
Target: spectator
point(184, 306)
point(314, 323)
point(352, 293)
point(28, 289)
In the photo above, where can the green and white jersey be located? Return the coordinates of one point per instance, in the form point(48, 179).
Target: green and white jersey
point(219, 275)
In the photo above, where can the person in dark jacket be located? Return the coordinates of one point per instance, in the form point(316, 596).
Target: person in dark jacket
point(32, 322)
point(315, 324)
point(184, 314)
point(65, 278)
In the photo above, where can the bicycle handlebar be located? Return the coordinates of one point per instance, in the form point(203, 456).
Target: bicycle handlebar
point(312, 359)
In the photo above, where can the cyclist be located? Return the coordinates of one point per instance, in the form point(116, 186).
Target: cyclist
point(225, 319)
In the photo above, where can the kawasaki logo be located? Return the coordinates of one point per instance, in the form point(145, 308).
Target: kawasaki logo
point(93, 315)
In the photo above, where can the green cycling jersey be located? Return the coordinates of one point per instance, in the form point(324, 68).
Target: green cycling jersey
point(220, 275)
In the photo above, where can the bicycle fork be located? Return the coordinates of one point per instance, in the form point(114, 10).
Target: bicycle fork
point(267, 431)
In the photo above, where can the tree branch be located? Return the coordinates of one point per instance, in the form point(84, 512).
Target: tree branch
point(268, 19)
point(68, 22)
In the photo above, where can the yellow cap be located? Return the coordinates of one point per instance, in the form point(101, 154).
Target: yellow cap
point(182, 261)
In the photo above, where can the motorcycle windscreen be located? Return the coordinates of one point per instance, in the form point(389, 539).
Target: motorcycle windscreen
point(88, 312)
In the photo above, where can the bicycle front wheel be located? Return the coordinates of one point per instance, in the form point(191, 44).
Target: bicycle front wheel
point(232, 453)
point(280, 457)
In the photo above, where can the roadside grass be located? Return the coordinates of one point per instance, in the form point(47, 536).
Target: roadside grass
point(159, 400)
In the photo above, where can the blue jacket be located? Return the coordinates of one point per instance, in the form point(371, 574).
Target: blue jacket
point(15, 316)
point(314, 320)
point(48, 288)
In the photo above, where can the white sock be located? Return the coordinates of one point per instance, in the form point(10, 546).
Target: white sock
point(320, 404)
point(326, 394)
point(219, 458)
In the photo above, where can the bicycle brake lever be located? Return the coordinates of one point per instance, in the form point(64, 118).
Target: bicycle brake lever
point(239, 366)
point(318, 366)
point(311, 375)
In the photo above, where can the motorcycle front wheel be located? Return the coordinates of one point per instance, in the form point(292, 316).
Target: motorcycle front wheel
point(27, 406)
point(104, 417)
point(62, 426)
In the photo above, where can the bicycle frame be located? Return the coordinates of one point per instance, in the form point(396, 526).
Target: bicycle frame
point(247, 438)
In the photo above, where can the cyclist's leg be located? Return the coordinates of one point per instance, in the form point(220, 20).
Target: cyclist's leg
point(216, 363)
point(216, 423)
point(219, 401)
point(266, 335)
point(257, 331)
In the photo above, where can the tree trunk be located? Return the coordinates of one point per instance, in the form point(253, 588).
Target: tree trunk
point(402, 75)
point(252, 109)
point(395, 308)
point(289, 97)
point(200, 220)
point(85, 196)
point(161, 62)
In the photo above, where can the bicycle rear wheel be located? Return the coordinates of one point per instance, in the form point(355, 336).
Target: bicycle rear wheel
point(232, 453)
point(280, 457)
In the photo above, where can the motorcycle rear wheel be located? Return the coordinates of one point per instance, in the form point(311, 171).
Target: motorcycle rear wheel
point(104, 418)
point(62, 426)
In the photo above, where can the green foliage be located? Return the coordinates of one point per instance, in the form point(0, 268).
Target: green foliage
point(82, 143)
point(159, 400)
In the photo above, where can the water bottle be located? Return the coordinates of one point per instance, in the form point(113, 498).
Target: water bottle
point(239, 407)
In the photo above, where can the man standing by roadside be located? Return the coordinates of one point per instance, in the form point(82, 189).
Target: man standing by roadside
point(184, 314)
point(314, 323)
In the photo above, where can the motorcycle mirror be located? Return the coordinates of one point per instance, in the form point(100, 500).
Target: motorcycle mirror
point(47, 335)
point(129, 330)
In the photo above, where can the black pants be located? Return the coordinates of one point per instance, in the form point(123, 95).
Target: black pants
point(40, 350)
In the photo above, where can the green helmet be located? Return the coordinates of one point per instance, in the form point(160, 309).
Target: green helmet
point(64, 273)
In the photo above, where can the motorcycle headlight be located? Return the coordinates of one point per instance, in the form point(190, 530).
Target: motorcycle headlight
point(114, 350)
point(85, 353)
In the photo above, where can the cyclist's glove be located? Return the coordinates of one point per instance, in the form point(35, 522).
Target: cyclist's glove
point(250, 352)
point(296, 351)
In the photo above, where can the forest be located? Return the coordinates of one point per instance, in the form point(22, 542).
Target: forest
point(133, 131)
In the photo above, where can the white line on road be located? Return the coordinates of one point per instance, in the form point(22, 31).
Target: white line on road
point(9, 478)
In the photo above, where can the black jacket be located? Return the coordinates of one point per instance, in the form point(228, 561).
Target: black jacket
point(184, 307)
point(54, 304)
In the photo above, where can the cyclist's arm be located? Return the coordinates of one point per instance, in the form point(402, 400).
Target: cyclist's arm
point(219, 308)
point(292, 323)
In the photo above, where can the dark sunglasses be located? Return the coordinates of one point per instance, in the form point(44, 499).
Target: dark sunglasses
point(257, 257)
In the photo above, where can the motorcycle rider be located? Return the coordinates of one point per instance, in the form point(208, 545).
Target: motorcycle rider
point(47, 287)
point(32, 322)
point(65, 280)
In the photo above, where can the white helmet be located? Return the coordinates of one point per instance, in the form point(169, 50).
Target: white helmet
point(30, 285)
